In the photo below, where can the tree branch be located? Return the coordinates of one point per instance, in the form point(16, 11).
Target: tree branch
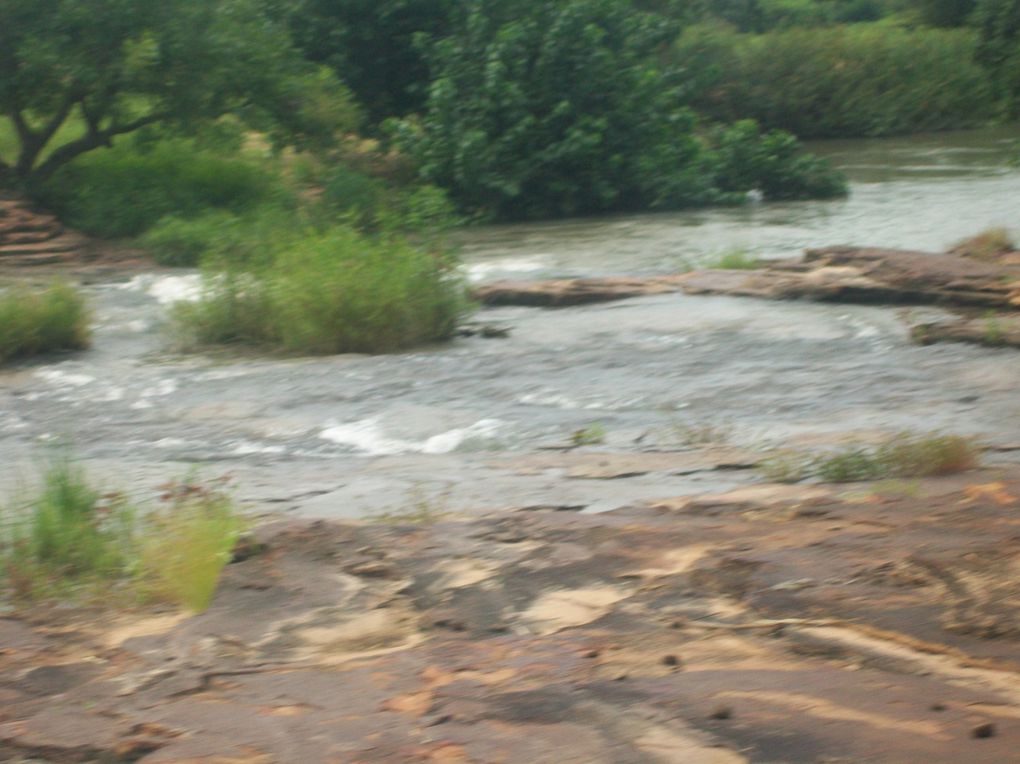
point(92, 140)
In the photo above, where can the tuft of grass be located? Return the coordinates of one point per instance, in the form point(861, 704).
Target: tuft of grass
point(41, 320)
point(187, 543)
point(421, 510)
point(326, 292)
point(735, 260)
point(907, 455)
point(70, 535)
point(591, 435)
point(73, 540)
point(987, 245)
point(703, 434)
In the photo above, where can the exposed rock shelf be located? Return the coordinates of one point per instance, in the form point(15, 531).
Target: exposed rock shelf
point(775, 623)
point(29, 237)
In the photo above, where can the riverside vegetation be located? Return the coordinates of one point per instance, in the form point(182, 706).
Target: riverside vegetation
point(73, 540)
point(254, 139)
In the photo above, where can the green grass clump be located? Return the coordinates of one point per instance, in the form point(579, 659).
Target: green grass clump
point(73, 541)
point(187, 544)
point(69, 535)
point(907, 455)
point(591, 435)
point(987, 245)
point(41, 320)
point(736, 260)
point(325, 292)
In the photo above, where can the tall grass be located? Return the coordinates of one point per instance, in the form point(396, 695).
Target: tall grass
point(906, 455)
point(36, 320)
point(72, 540)
point(843, 81)
point(323, 292)
point(187, 544)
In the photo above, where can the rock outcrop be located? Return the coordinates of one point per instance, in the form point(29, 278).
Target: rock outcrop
point(28, 237)
point(775, 623)
point(992, 331)
point(558, 293)
point(869, 275)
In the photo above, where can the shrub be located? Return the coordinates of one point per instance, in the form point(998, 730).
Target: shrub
point(530, 135)
point(180, 241)
point(125, 190)
point(372, 204)
point(333, 291)
point(772, 163)
point(857, 80)
point(42, 320)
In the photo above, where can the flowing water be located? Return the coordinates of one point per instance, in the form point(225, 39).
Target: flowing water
point(439, 428)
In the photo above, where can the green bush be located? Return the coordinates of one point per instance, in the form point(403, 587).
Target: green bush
point(125, 190)
point(772, 163)
point(844, 81)
point(570, 114)
point(324, 292)
point(180, 241)
point(372, 204)
point(41, 320)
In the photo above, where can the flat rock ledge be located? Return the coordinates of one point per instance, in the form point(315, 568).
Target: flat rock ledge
point(770, 624)
point(835, 274)
point(868, 275)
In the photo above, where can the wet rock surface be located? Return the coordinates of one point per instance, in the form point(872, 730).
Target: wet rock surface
point(869, 275)
point(782, 624)
point(994, 330)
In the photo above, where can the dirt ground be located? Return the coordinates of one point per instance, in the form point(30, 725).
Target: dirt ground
point(858, 623)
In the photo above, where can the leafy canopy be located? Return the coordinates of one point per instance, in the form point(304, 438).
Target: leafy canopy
point(74, 75)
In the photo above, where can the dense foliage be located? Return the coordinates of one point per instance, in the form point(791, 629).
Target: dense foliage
point(110, 67)
point(998, 23)
point(568, 115)
point(863, 80)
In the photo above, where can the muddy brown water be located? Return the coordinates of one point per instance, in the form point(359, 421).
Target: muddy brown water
point(437, 429)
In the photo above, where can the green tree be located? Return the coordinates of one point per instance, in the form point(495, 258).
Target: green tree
point(373, 46)
point(550, 108)
point(75, 75)
point(998, 23)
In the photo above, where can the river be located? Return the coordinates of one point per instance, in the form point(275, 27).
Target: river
point(447, 427)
